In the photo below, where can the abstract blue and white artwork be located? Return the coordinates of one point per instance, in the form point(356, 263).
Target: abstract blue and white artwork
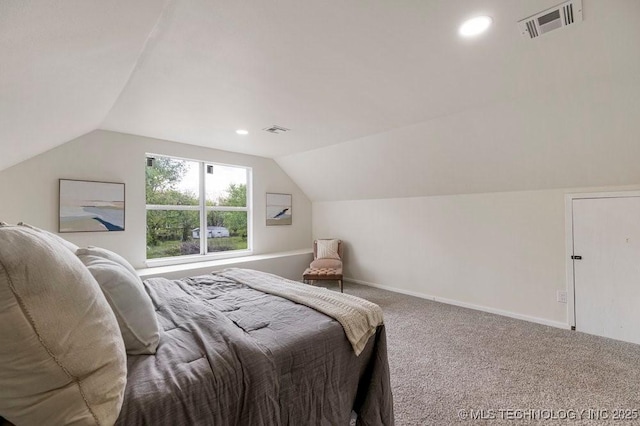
point(87, 206)
point(279, 209)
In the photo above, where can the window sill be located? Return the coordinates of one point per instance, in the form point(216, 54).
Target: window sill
point(196, 258)
point(204, 263)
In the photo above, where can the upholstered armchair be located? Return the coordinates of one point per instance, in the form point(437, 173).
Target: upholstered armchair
point(327, 262)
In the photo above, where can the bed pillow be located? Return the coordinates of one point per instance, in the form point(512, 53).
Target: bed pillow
point(108, 254)
point(62, 358)
point(327, 249)
point(68, 244)
point(127, 297)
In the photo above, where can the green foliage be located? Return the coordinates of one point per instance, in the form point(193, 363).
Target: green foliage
point(169, 232)
point(161, 180)
point(235, 222)
point(236, 196)
point(178, 248)
point(163, 176)
point(165, 225)
point(172, 197)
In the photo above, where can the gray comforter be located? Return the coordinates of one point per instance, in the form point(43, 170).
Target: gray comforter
point(231, 355)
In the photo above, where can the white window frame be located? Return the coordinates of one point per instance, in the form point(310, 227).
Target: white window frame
point(204, 209)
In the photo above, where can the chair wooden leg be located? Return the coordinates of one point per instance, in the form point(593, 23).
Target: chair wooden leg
point(340, 281)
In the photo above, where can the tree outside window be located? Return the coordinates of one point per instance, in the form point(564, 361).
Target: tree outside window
point(177, 204)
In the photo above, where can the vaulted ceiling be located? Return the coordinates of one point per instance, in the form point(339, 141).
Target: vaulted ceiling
point(63, 65)
point(383, 98)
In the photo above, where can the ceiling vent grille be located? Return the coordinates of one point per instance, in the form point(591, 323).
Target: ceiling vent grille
point(276, 129)
point(557, 17)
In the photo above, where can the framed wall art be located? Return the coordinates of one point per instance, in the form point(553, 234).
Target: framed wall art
point(279, 209)
point(89, 206)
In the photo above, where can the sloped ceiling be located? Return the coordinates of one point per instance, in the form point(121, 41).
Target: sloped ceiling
point(383, 98)
point(62, 66)
point(589, 137)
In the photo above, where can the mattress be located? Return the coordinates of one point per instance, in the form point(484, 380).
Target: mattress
point(232, 355)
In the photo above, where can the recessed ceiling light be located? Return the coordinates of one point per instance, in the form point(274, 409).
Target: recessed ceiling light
point(474, 26)
point(242, 132)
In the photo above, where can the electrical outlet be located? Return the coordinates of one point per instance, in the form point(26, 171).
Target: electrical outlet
point(561, 296)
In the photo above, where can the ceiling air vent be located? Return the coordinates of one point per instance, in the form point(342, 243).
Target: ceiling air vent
point(276, 129)
point(557, 17)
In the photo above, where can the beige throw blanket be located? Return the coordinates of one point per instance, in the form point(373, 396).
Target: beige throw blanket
point(359, 318)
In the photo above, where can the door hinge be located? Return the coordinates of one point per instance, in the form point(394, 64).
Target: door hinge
point(576, 257)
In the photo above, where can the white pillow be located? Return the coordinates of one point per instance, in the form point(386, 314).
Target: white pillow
point(62, 358)
point(127, 297)
point(68, 244)
point(327, 249)
point(107, 254)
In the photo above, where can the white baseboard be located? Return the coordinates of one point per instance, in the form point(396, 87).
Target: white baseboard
point(509, 314)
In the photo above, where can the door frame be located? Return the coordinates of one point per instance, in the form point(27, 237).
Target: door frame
point(568, 202)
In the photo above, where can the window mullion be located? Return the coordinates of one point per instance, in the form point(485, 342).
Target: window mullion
point(172, 207)
point(249, 204)
point(226, 209)
point(204, 231)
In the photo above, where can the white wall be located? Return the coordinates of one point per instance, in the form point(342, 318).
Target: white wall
point(468, 207)
point(29, 190)
point(504, 252)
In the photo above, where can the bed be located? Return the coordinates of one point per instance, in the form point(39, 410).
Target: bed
point(85, 341)
point(233, 355)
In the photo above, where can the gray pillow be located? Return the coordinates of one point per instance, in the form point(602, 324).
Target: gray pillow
point(127, 297)
point(62, 358)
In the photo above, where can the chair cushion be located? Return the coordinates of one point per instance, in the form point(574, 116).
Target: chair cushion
point(322, 274)
point(327, 249)
point(127, 297)
point(62, 358)
point(68, 244)
point(326, 263)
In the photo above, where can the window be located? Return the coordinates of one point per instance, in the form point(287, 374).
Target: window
point(196, 208)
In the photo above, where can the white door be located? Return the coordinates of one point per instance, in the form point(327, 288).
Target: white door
point(606, 234)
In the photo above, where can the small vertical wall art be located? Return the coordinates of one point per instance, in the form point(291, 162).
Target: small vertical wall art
point(279, 209)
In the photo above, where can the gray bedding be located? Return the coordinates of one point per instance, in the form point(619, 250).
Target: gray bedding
point(231, 355)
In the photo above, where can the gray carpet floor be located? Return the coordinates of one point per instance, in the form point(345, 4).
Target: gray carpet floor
point(444, 359)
